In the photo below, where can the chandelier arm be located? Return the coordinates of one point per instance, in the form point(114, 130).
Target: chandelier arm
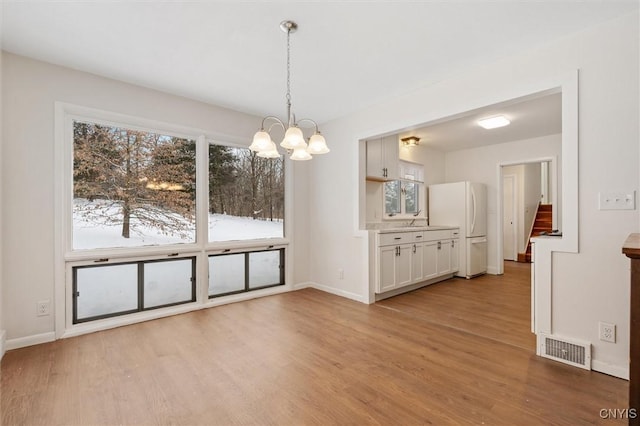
point(272, 117)
point(315, 125)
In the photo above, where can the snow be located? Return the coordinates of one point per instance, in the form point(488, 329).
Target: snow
point(112, 288)
point(91, 230)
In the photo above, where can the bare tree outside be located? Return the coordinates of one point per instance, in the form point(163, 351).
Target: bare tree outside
point(134, 179)
point(144, 185)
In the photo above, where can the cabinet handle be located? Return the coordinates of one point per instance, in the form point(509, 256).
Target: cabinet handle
point(397, 238)
point(414, 248)
point(453, 243)
point(439, 245)
point(398, 251)
point(384, 172)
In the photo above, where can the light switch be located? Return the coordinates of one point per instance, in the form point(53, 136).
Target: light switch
point(617, 200)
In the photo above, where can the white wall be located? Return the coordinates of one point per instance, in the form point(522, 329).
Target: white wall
point(589, 286)
point(30, 90)
point(481, 165)
point(2, 329)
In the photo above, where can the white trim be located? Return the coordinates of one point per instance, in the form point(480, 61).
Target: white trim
point(3, 348)
point(336, 291)
point(492, 270)
point(499, 199)
point(65, 257)
point(35, 339)
point(619, 371)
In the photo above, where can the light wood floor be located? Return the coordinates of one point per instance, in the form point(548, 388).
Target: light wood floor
point(458, 352)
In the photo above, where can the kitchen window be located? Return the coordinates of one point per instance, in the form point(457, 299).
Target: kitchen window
point(403, 198)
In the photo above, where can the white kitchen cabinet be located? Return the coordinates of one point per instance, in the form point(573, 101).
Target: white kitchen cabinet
point(417, 262)
point(382, 158)
point(387, 268)
point(394, 261)
point(430, 259)
point(444, 257)
point(410, 257)
point(455, 255)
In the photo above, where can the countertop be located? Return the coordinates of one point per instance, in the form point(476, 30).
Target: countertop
point(414, 229)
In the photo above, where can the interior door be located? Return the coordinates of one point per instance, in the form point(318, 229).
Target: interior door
point(509, 218)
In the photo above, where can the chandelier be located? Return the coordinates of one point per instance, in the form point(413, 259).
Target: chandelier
point(294, 141)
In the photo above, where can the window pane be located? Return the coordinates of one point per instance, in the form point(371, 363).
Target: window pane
point(246, 195)
point(264, 268)
point(411, 201)
point(226, 273)
point(168, 282)
point(131, 188)
point(104, 290)
point(392, 197)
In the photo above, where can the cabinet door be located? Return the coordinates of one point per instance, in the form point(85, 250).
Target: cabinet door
point(429, 260)
point(375, 159)
point(416, 262)
point(455, 255)
point(444, 257)
point(387, 268)
point(390, 156)
point(403, 265)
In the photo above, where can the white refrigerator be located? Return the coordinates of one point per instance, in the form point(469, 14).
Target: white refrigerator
point(463, 204)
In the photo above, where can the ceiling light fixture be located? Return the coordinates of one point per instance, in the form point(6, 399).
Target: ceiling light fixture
point(294, 140)
point(494, 122)
point(410, 141)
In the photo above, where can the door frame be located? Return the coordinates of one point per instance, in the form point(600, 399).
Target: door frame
point(499, 213)
point(514, 213)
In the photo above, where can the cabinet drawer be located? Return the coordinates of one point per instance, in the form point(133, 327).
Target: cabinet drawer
point(437, 235)
point(394, 239)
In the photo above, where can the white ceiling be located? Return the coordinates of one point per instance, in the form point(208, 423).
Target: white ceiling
point(345, 55)
point(532, 117)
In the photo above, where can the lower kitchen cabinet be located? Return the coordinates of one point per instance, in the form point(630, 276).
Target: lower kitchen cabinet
point(406, 258)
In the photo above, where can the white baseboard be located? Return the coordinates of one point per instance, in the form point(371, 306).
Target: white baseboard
point(327, 289)
point(36, 339)
point(621, 372)
point(3, 335)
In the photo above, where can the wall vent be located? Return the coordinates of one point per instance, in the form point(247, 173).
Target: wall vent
point(569, 352)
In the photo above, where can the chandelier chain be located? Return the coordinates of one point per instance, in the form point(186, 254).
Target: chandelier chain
point(289, 76)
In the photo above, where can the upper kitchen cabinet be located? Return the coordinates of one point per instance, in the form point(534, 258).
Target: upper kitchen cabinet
point(382, 158)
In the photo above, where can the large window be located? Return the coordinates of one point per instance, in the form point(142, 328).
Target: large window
point(142, 231)
point(131, 188)
point(246, 195)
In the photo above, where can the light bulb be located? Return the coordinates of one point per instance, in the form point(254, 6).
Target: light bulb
point(317, 144)
point(293, 139)
point(261, 141)
point(300, 154)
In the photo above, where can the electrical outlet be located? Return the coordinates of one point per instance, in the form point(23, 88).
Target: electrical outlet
point(42, 308)
point(341, 274)
point(607, 332)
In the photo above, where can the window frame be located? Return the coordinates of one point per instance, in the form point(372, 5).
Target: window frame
point(403, 214)
point(247, 270)
point(140, 286)
point(66, 258)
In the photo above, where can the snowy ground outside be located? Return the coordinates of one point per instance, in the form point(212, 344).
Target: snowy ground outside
point(113, 288)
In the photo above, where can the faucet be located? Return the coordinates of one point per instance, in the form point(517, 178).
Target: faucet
point(415, 216)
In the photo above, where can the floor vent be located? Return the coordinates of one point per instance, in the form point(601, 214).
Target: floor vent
point(573, 353)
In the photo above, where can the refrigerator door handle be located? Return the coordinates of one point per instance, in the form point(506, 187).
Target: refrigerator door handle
point(479, 241)
point(473, 217)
